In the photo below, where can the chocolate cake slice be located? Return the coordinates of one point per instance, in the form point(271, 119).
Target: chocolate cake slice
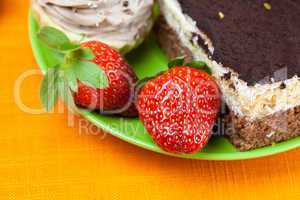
point(253, 48)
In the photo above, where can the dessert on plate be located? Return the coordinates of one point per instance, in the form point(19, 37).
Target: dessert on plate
point(122, 24)
point(253, 49)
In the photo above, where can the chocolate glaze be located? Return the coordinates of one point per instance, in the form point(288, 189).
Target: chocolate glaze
point(250, 39)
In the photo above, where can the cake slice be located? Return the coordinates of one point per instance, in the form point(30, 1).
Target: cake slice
point(253, 48)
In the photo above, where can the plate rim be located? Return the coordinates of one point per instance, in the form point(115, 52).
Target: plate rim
point(257, 153)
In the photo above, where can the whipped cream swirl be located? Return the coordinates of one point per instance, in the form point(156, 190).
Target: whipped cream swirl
point(119, 23)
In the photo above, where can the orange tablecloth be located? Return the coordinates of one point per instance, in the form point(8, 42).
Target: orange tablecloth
point(41, 157)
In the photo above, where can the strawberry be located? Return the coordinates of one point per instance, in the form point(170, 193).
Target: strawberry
point(120, 91)
point(92, 73)
point(179, 108)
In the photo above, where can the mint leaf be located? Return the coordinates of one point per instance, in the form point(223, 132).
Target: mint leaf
point(66, 94)
point(177, 62)
point(77, 55)
point(91, 74)
point(86, 54)
point(200, 65)
point(71, 78)
point(56, 39)
point(56, 59)
point(49, 89)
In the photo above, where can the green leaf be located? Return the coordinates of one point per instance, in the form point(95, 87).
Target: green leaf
point(86, 54)
point(200, 65)
point(56, 39)
point(176, 62)
point(56, 58)
point(71, 78)
point(66, 94)
point(49, 89)
point(74, 56)
point(91, 74)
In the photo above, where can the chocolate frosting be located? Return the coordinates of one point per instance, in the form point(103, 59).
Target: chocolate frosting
point(258, 40)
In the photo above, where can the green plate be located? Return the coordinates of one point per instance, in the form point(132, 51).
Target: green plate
point(147, 60)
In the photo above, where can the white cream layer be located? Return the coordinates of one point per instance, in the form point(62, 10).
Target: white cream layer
point(253, 102)
point(119, 23)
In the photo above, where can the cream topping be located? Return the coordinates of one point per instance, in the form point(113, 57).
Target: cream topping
point(120, 22)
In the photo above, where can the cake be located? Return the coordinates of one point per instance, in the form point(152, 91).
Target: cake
point(253, 49)
point(122, 24)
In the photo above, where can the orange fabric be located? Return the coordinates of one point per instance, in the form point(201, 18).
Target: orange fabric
point(42, 158)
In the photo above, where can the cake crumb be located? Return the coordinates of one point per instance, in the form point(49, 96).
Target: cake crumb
point(232, 86)
point(270, 134)
point(267, 6)
point(282, 86)
point(227, 76)
point(221, 15)
point(125, 3)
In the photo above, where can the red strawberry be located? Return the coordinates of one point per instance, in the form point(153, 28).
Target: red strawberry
point(118, 96)
point(97, 76)
point(179, 108)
